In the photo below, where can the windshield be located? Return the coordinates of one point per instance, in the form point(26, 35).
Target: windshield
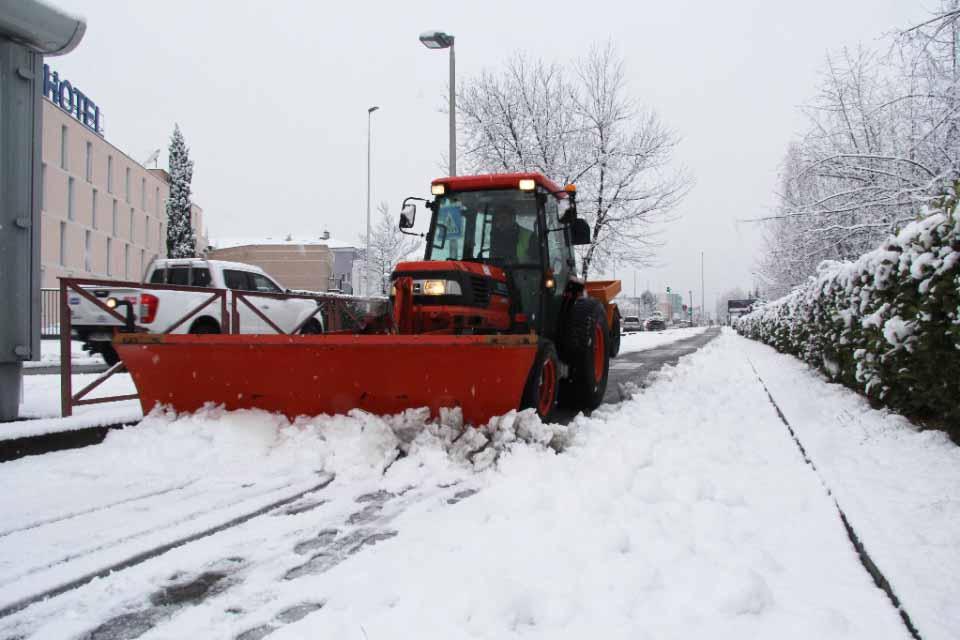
point(497, 226)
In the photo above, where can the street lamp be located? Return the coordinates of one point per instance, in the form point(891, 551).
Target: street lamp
point(366, 252)
point(441, 40)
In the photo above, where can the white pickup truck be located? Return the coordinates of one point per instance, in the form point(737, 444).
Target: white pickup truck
point(158, 309)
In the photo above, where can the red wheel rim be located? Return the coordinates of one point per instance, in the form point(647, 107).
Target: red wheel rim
point(548, 387)
point(599, 349)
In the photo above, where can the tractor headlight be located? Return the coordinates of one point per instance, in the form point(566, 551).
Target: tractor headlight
point(436, 288)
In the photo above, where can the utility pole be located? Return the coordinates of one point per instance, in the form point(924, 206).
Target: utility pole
point(691, 307)
point(366, 250)
point(703, 310)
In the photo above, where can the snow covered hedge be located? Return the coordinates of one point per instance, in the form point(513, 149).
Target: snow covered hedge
point(887, 324)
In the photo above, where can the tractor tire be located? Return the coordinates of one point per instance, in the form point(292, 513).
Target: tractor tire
point(586, 353)
point(540, 392)
point(613, 341)
point(205, 326)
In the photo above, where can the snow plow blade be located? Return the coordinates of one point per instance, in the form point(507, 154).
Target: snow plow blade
point(329, 374)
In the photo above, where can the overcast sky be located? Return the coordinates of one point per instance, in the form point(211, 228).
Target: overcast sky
point(272, 98)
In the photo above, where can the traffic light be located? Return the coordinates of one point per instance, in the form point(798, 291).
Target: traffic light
point(684, 308)
point(668, 289)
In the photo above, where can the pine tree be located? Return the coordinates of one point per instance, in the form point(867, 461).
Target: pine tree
point(181, 241)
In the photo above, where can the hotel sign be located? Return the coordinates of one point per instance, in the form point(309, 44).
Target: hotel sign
point(69, 98)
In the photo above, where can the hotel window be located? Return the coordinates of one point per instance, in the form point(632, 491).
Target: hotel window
point(43, 186)
point(86, 251)
point(89, 167)
point(126, 184)
point(109, 256)
point(160, 236)
point(64, 147)
point(116, 219)
point(143, 193)
point(146, 232)
point(63, 244)
point(126, 261)
point(109, 174)
point(143, 261)
point(93, 210)
point(70, 194)
point(156, 201)
point(131, 224)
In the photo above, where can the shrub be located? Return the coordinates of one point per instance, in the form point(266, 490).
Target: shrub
point(887, 324)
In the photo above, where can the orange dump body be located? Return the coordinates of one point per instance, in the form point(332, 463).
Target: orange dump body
point(332, 373)
point(604, 291)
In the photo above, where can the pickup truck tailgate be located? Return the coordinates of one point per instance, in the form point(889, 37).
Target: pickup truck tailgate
point(85, 313)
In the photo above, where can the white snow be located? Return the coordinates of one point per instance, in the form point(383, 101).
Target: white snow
point(50, 355)
point(643, 340)
point(40, 408)
point(684, 512)
point(897, 484)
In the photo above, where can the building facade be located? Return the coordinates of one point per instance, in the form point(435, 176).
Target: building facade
point(103, 214)
point(304, 263)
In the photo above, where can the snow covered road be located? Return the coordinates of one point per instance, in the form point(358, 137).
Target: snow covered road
point(687, 511)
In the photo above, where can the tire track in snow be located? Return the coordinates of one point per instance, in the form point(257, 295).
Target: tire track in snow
point(102, 507)
point(878, 578)
point(153, 552)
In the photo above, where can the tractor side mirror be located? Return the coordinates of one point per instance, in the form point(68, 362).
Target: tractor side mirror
point(579, 232)
point(407, 216)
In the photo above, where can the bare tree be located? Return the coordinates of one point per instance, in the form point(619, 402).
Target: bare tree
point(882, 139)
point(388, 246)
point(578, 124)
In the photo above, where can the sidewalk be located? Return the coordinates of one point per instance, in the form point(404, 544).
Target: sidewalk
point(897, 485)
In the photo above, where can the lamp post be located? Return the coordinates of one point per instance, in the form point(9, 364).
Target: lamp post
point(366, 251)
point(441, 40)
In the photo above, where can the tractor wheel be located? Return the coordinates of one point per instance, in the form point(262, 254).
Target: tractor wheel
point(613, 341)
point(587, 354)
point(540, 393)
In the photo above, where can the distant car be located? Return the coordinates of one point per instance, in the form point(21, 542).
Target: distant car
point(631, 324)
point(655, 324)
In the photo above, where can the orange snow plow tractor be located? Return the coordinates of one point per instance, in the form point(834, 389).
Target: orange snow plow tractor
point(492, 319)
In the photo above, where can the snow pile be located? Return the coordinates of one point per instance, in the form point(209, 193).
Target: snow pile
point(683, 513)
point(887, 324)
point(641, 341)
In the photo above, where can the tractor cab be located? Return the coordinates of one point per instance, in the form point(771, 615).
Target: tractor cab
point(506, 239)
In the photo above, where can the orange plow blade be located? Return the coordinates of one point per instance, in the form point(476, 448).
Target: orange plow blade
point(329, 374)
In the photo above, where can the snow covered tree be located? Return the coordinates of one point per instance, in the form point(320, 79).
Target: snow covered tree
point(578, 123)
point(181, 239)
point(648, 302)
point(883, 138)
point(388, 246)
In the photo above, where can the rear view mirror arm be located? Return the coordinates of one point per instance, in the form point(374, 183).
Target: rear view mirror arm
point(403, 206)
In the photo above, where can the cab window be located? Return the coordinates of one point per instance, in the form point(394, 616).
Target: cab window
point(264, 284)
point(237, 280)
point(556, 243)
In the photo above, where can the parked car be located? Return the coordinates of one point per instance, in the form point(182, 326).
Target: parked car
point(631, 324)
point(655, 324)
point(158, 309)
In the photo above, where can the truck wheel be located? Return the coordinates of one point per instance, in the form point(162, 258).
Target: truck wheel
point(109, 354)
point(587, 354)
point(312, 328)
point(205, 325)
point(613, 340)
point(540, 392)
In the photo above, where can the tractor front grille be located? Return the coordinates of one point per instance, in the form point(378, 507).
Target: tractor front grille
point(480, 290)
